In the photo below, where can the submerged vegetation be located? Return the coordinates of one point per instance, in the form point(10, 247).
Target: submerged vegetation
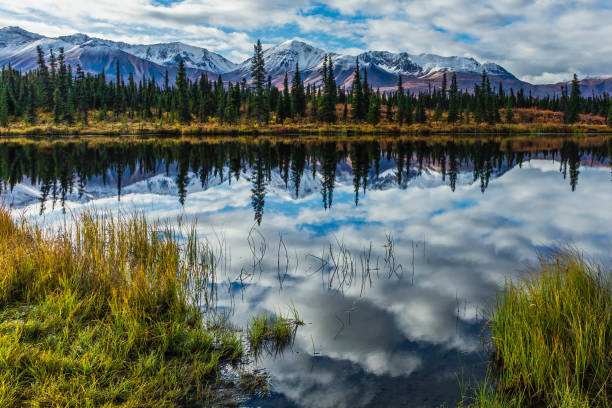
point(552, 338)
point(103, 316)
point(273, 333)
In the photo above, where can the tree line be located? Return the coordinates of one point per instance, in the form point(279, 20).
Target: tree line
point(70, 96)
point(66, 167)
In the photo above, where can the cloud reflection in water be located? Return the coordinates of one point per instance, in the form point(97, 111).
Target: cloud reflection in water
point(396, 340)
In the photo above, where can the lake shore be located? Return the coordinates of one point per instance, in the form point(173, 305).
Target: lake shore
point(112, 334)
point(135, 127)
point(91, 310)
point(313, 130)
point(105, 318)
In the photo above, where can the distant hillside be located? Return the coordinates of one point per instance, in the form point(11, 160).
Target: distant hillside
point(419, 72)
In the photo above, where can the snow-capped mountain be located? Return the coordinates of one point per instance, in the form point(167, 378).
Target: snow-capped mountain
point(420, 72)
point(168, 54)
point(15, 36)
point(385, 66)
point(18, 47)
point(421, 65)
point(282, 58)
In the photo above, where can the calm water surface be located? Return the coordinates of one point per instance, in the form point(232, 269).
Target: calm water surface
point(388, 250)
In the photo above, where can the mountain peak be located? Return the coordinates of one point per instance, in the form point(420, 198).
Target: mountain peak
point(17, 30)
point(283, 57)
point(293, 44)
point(13, 35)
point(76, 38)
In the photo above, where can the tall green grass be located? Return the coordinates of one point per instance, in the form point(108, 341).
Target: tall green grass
point(274, 332)
point(552, 337)
point(103, 315)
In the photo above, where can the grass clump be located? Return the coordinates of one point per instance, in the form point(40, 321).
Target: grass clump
point(552, 337)
point(102, 316)
point(272, 332)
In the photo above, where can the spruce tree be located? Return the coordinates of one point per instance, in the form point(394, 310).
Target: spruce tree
point(280, 110)
point(298, 97)
point(453, 102)
point(63, 77)
point(444, 84)
point(57, 106)
point(118, 97)
point(477, 106)
point(328, 105)
point(359, 106)
point(367, 93)
point(491, 112)
point(286, 99)
point(258, 73)
point(182, 90)
point(609, 120)
point(231, 112)
point(322, 102)
point(400, 114)
point(4, 113)
point(69, 109)
point(437, 112)
point(509, 111)
point(374, 110)
point(221, 99)
point(408, 116)
point(53, 64)
point(420, 115)
point(44, 85)
point(574, 102)
point(564, 104)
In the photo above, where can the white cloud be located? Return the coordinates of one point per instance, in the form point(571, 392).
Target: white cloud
point(539, 41)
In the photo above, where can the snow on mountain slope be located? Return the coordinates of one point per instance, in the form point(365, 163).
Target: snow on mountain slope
point(434, 63)
point(15, 36)
point(282, 58)
point(390, 62)
point(420, 72)
point(172, 53)
point(18, 47)
point(383, 66)
point(168, 54)
point(422, 65)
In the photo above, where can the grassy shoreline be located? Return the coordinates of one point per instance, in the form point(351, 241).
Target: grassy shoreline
point(552, 338)
point(313, 129)
point(103, 316)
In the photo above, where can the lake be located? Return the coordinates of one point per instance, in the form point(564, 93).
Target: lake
point(391, 250)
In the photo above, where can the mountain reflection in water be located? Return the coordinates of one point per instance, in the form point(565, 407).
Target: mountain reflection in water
point(311, 224)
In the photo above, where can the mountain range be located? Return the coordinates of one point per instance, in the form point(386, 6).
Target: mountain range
point(419, 71)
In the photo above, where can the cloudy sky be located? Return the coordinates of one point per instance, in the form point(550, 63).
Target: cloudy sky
point(538, 40)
